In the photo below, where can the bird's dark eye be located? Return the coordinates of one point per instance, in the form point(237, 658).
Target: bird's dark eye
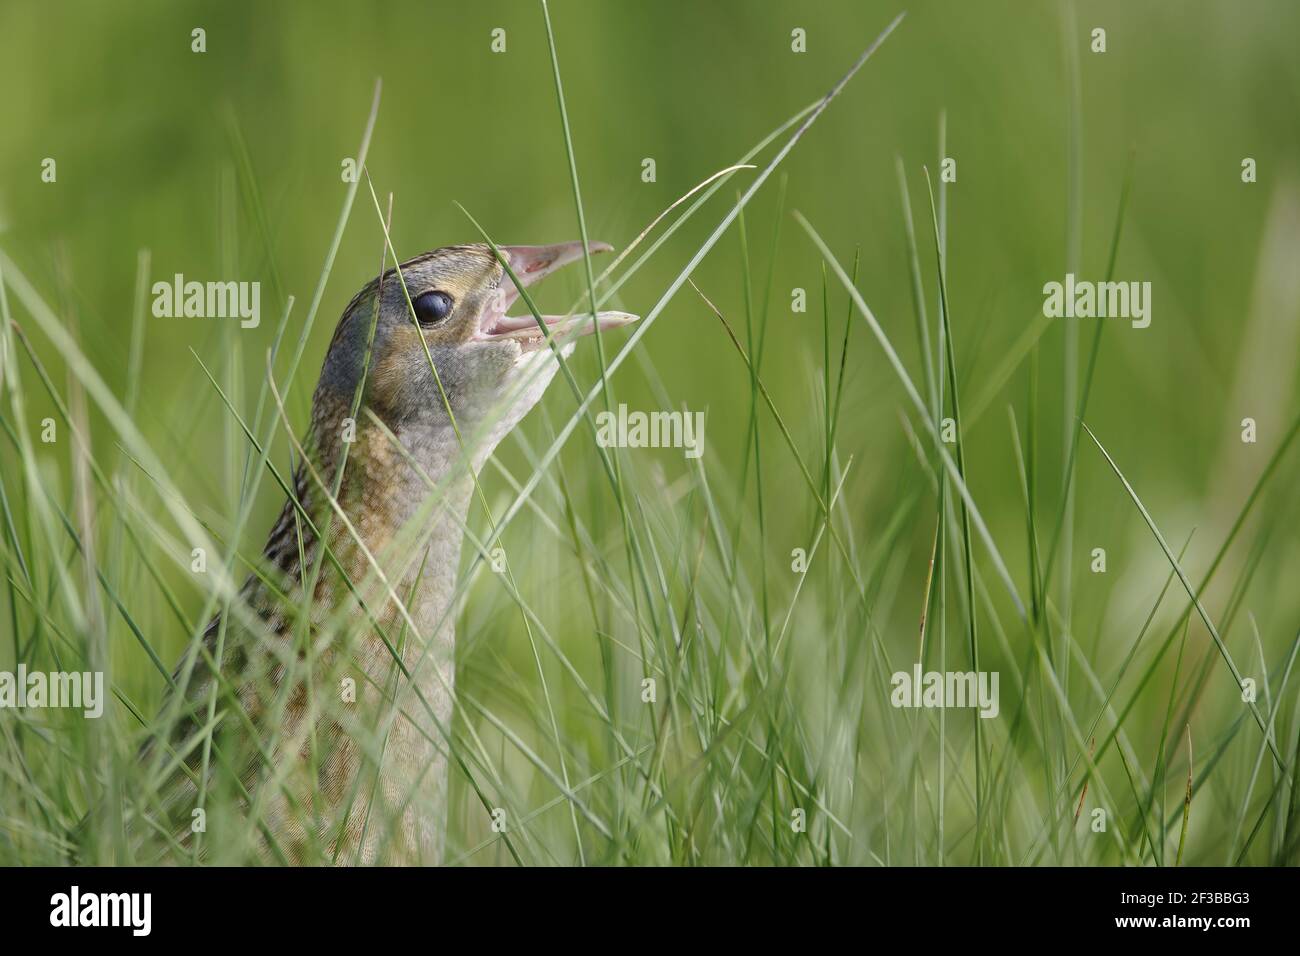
point(432, 307)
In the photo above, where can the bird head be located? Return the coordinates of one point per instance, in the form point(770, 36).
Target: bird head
point(446, 312)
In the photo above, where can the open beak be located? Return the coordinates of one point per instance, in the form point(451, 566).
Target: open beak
point(531, 264)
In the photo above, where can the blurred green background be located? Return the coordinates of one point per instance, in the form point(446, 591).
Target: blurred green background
point(143, 131)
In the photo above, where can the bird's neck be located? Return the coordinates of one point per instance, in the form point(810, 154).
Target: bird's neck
point(395, 528)
point(405, 494)
point(403, 489)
